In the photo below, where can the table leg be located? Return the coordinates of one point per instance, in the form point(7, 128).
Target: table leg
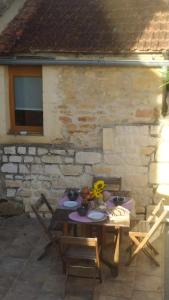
point(116, 255)
point(69, 229)
point(85, 230)
point(102, 235)
point(113, 264)
point(65, 228)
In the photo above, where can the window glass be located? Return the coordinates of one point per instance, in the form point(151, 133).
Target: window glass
point(28, 93)
point(25, 96)
point(28, 101)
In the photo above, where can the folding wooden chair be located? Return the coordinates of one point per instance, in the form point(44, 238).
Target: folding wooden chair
point(80, 253)
point(145, 232)
point(154, 214)
point(52, 235)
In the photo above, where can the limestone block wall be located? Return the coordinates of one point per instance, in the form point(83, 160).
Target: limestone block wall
point(140, 155)
point(136, 153)
point(103, 118)
point(159, 168)
point(129, 153)
point(27, 171)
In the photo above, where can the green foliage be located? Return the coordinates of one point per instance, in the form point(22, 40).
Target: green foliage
point(165, 76)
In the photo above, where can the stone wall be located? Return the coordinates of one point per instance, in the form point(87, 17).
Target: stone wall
point(104, 118)
point(29, 170)
point(138, 154)
point(79, 101)
point(129, 153)
point(85, 99)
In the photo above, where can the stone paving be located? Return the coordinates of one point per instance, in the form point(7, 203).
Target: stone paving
point(23, 277)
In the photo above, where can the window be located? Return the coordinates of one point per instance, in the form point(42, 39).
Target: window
point(25, 93)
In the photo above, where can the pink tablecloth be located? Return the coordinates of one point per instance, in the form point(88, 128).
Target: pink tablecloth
point(128, 203)
point(76, 217)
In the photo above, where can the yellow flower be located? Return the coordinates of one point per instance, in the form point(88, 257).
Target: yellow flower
point(98, 188)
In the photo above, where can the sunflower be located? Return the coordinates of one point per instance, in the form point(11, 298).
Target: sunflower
point(98, 188)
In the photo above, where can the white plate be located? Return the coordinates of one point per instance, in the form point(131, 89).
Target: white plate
point(96, 215)
point(70, 204)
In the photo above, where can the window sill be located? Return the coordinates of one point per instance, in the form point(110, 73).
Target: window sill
point(25, 133)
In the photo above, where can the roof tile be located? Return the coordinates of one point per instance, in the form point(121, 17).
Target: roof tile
point(88, 26)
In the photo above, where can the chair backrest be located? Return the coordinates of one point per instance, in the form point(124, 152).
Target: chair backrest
point(40, 202)
point(156, 211)
point(112, 183)
point(121, 193)
point(36, 209)
point(153, 229)
point(82, 242)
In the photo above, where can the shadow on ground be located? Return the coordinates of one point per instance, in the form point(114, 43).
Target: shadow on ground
point(23, 277)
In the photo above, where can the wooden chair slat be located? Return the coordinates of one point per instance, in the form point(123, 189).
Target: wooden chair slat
point(90, 242)
point(121, 193)
point(77, 252)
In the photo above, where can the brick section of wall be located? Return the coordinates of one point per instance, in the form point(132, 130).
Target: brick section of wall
point(80, 101)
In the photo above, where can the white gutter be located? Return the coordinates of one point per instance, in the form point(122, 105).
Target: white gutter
point(87, 62)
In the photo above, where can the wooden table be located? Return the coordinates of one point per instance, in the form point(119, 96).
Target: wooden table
point(62, 216)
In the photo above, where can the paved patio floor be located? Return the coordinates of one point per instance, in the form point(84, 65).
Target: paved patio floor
point(22, 277)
